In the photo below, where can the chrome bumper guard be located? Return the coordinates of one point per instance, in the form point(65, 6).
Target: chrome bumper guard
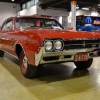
point(56, 57)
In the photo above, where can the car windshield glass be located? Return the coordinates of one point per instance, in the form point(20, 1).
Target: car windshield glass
point(37, 23)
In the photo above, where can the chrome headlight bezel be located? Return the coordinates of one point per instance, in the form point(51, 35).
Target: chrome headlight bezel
point(60, 42)
point(53, 41)
point(45, 45)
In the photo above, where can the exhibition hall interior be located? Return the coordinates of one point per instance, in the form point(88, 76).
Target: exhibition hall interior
point(49, 49)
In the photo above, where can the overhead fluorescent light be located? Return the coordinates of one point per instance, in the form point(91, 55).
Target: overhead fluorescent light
point(85, 8)
point(77, 7)
point(98, 4)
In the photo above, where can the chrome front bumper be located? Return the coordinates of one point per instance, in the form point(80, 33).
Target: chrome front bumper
point(65, 56)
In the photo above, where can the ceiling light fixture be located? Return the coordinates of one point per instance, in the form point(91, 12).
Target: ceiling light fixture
point(98, 4)
point(12, 0)
point(85, 8)
point(77, 7)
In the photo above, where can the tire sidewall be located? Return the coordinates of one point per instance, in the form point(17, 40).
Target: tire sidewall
point(31, 70)
point(84, 64)
point(21, 64)
point(1, 53)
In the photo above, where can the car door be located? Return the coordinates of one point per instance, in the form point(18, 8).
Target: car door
point(7, 36)
point(1, 30)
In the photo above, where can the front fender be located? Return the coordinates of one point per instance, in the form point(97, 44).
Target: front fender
point(30, 54)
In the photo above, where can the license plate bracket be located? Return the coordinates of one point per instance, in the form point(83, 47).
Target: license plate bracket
point(81, 57)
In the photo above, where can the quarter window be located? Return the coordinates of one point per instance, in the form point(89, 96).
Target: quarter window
point(3, 27)
point(9, 25)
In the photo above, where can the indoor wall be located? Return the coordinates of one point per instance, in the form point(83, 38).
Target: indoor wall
point(8, 10)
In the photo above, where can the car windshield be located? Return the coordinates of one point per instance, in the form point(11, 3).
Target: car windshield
point(37, 23)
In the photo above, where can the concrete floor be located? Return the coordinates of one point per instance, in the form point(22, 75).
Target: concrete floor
point(53, 82)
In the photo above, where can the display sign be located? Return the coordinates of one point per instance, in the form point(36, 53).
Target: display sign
point(79, 20)
point(84, 20)
point(88, 20)
point(88, 23)
point(92, 20)
point(97, 22)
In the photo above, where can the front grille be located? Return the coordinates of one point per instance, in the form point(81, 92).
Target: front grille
point(81, 44)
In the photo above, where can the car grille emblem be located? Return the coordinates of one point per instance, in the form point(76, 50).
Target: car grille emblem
point(84, 43)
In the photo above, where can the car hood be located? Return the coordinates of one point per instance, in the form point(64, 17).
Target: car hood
point(64, 34)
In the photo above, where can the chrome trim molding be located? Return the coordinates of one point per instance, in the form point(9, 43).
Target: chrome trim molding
point(42, 53)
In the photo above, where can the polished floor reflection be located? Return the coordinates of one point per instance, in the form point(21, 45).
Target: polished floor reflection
point(53, 82)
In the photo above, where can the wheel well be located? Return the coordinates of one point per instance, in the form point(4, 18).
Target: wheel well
point(18, 50)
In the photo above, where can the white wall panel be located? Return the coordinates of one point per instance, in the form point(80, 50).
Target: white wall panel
point(83, 12)
point(37, 10)
point(52, 12)
point(28, 12)
point(8, 10)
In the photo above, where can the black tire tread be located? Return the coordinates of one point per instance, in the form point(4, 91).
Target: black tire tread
point(1, 53)
point(31, 70)
point(84, 64)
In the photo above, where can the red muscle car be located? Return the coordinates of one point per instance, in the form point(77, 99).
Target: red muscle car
point(36, 41)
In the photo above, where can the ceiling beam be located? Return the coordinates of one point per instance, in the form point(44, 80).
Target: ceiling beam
point(90, 1)
point(52, 3)
point(59, 2)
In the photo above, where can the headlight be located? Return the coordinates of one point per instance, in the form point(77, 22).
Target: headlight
point(58, 45)
point(48, 45)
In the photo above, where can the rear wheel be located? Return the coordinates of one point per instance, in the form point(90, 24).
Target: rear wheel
point(28, 71)
point(1, 53)
point(84, 64)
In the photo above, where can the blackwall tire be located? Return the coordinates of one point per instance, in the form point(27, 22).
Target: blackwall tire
point(84, 64)
point(28, 71)
point(1, 53)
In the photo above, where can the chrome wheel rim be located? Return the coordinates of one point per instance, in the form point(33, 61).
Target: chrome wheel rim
point(25, 62)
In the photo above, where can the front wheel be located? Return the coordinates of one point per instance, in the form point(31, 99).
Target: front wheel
point(84, 64)
point(28, 71)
